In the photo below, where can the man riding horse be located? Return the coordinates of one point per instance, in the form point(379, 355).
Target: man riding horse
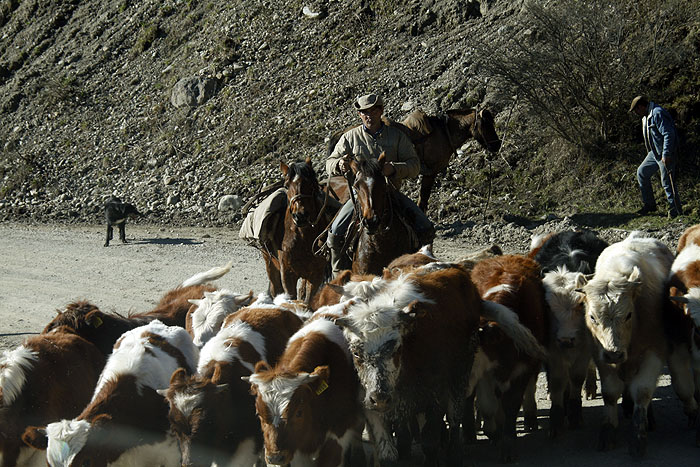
point(369, 140)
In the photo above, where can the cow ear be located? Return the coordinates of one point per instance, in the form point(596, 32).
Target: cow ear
point(244, 300)
point(94, 319)
point(216, 375)
point(635, 276)
point(308, 161)
point(342, 322)
point(580, 281)
point(262, 366)
point(320, 378)
point(35, 437)
point(354, 166)
point(414, 310)
point(284, 168)
point(323, 372)
point(179, 377)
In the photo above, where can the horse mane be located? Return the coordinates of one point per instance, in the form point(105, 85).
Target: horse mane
point(302, 169)
point(368, 165)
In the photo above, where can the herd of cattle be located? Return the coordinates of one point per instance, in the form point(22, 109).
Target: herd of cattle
point(428, 352)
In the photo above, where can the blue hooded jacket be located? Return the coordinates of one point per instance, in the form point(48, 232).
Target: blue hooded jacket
point(662, 138)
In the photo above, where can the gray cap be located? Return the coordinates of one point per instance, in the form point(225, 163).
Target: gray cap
point(367, 101)
point(638, 100)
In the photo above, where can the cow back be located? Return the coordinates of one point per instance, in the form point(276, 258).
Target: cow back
point(514, 281)
point(173, 307)
point(56, 379)
point(438, 344)
point(577, 250)
point(691, 236)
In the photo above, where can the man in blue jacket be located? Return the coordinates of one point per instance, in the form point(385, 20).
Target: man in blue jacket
point(661, 141)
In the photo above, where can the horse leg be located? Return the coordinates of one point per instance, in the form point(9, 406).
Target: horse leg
point(273, 274)
point(426, 187)
point(289, 277)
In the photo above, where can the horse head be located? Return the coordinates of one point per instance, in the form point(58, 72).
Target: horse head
point(481, 125)
point(372, 191)
point(484, 130)
point(302, 191)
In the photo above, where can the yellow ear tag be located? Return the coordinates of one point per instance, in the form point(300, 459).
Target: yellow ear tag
point(97, 322)
point(322, 386)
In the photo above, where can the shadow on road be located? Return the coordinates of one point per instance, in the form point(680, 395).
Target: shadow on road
point(162, 241)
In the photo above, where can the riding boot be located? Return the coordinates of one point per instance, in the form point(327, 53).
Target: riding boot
point(339, 260)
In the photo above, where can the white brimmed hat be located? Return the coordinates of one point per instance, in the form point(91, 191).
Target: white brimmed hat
point(367, 101)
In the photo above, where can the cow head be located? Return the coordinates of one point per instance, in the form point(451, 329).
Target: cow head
point(205, 317)
point(285, 404)
point(68, 443)
point(566, 303)
point(610, 313)
point(199, 414)
point(375, 332)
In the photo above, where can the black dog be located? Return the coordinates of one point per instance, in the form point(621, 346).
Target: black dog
point(116, 213)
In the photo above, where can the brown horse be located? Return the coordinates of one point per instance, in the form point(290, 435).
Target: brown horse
point(383, 234)
point(307, 215)
point(437, 138)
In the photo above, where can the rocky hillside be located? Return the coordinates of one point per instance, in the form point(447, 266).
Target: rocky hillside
point(172, 104)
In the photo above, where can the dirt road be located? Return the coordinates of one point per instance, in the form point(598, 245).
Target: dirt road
point(43, 268)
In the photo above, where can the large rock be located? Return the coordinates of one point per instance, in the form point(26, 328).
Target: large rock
point(193, 91)
point(230, 202)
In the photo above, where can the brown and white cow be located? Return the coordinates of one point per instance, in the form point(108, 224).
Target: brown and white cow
point(624, 311)
point(683, 328)
point(126, 421)
point(47, 378)
point(205, 318)
point(691, 236)
point(103, 329)
point(212, 413)
point(412, 339)
point(502, 373)
point(332, 292)
point(308, 403)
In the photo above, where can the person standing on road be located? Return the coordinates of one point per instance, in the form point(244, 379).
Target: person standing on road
point(661, 141)
point(371, 139)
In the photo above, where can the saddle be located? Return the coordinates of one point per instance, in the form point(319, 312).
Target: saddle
point(352, 235)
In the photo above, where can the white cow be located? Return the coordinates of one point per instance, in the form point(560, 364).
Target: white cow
point(570, 349)
point(205, 318)
point(624, 312)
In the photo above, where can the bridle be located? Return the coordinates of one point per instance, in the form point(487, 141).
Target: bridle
point(321, 212)
point(479, 115)
point(388, 204)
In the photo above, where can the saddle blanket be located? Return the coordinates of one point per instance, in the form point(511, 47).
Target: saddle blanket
point(260, 221)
